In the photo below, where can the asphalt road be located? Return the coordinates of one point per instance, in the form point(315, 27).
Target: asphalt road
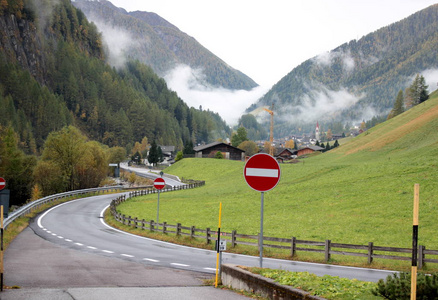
point(69, 252)
point(79, 225)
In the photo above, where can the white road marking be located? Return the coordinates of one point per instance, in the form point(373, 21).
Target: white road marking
point(107, 251)
point(91, 247)
point(60, 237)
point(79, 244)
point(127, 255)
point(179, 265)
point(210, 269)
point(67, 240)
point(150, 259)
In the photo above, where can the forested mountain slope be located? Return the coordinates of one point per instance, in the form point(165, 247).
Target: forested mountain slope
point(357, 80)
point(53, 73)
point(156, 42)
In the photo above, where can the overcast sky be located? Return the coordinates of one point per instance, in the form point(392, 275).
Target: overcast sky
point(267, 39)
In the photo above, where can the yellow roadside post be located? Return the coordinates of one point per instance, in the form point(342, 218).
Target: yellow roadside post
point(415, 242)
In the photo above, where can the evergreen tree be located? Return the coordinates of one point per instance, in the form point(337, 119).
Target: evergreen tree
point(417, 92)
point(160, 155)
point(398, 106)
point(239, 137)
point(153, 154)
point(188, 148)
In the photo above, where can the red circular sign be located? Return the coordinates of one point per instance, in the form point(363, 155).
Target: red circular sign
point(2, 183)
point(262, 172)
point(159, 183)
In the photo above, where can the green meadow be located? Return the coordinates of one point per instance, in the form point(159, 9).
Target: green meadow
point(357, 193)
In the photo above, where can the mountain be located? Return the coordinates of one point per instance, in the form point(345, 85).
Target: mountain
point(358, 80)
point(53, 73)
point(159, 44)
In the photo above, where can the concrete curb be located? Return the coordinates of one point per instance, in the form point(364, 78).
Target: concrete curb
point(240, 279)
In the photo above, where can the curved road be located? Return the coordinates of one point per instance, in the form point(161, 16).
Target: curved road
point(79, 225)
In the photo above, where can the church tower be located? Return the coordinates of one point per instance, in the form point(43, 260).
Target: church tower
point(317, 131)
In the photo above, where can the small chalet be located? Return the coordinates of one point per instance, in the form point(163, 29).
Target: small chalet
point(228, 151)
point(285, 153)
point(309, 149)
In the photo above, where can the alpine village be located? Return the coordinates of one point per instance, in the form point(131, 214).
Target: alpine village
point(353, 133)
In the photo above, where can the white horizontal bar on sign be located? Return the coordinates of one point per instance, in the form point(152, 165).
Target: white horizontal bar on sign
point(158, 183)
point(261, 172)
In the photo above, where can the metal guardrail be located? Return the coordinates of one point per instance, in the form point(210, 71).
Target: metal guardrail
point(26, 209)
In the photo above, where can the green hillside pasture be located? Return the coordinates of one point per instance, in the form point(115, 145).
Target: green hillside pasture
point(358, 193)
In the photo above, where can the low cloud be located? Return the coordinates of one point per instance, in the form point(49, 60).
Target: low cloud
point(431, 78)
point(118, 42)
point(326, 59)
point(191, 86)
point(325, 104)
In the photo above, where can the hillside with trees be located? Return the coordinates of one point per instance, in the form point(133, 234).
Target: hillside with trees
point(54, 78)
point(53, 73)
point(358, 80)
point(161, 45)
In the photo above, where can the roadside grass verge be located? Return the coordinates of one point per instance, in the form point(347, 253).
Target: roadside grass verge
point(329, 287)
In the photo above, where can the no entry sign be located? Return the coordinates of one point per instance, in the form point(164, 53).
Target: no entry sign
point(262, 172)
point(159, 183)
point(2, 183)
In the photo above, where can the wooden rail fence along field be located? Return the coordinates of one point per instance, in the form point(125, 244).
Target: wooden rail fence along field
point(327, 247)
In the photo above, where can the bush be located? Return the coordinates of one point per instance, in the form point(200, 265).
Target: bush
point(179, 156)
point(398, 287)
point(219, 155)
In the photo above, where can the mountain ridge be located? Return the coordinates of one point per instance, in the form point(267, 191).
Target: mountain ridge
point(366, 73)
point(166, 46)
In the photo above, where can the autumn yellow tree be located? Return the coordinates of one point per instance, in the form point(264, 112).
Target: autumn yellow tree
point(329, 135)
point(290, 144)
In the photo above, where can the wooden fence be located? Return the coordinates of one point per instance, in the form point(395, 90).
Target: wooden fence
point(327, 247)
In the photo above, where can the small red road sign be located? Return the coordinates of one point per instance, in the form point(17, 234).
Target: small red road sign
point(159, 183)
point(262, 172)
point(2, 183)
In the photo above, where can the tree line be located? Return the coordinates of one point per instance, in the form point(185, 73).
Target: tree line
point(69, 161)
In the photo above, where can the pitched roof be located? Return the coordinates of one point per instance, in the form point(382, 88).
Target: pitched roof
point(203, 147)
point(314, 148)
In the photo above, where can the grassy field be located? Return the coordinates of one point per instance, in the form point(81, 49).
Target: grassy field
point(358, 193)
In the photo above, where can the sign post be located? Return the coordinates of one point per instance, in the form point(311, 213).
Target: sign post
point(159, 184)
point(218, 243)
point(415, 241)
point(262, 173)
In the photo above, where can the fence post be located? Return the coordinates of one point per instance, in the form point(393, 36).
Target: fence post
point(327, 250)
point(421, 256)
point(370, 252)
point(129, 221)
point(135, 222)
point(207, 236)
point(192, 231)
point(164, 227)
point(293, 246)
point(143, 224)
point(233, 238)
point(178, 229)
point(151, 225)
